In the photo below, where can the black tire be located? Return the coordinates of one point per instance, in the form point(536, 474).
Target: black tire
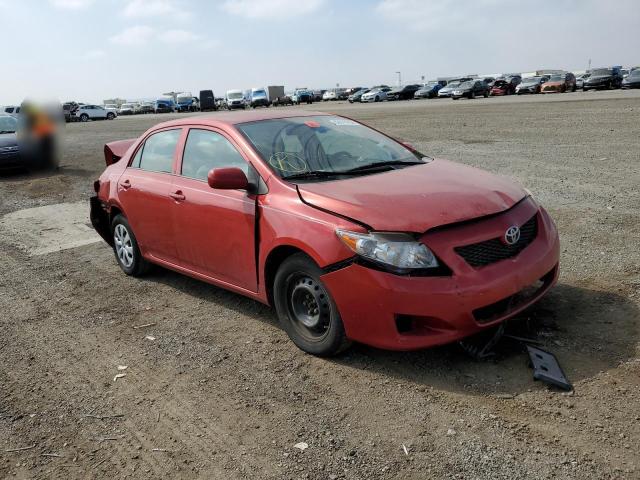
point(377, 98)
point(300, 296)
point(472, 95)
point(138, 266)
point(84, 117)
point(110, 116)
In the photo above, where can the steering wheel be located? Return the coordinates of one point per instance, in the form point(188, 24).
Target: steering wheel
point(345, 157)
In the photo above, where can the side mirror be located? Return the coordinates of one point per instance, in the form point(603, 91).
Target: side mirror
point(227, 179)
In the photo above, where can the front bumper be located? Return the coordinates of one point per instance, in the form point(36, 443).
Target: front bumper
point(408, 313)
point(596, 85)
point(11, 159)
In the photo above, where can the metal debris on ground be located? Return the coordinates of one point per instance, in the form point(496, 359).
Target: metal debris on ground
point(480, 346)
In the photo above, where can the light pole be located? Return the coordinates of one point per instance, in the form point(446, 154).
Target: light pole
point(399, 79)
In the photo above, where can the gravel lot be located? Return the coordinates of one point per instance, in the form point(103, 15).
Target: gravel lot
point(214, 388)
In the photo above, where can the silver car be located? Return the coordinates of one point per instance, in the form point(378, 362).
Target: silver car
point(375, 95)
point(447, 90)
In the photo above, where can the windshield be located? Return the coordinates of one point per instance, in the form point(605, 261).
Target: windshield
point(635, 73)
point(8, 125)
point(468, 84)
point(127, 105)
point(601, 72)
point(556, 78)
point(531, 80)
point(326, 144)
point(234, 95)
point(453, 84)
point(259, 93)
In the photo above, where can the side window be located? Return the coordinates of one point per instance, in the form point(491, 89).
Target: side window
point(205, 150)
point(136, 159)
point(158, 151)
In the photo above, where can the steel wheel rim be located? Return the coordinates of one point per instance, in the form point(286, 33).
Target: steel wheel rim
point(309, 306)
point(124, 246)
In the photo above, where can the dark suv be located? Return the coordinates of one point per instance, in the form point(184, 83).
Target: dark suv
point(603, 78)
point(471, 89)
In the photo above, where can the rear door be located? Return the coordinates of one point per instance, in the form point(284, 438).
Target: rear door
point(144, 192)
point(215, 229)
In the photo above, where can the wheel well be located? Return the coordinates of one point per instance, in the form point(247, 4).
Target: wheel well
point(273, 262)
point(113, 211)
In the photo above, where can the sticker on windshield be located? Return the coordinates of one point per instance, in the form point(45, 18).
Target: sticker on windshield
point(288, 162)
point(343, 122)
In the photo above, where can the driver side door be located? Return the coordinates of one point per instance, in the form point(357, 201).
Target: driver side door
point(215, 229)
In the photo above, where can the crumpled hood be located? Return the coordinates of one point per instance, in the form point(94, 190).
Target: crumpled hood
point(416, 198)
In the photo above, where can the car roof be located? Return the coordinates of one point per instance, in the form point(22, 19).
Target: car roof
point(237, 117)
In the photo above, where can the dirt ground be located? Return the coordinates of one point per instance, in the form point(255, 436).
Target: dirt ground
point(214, 388)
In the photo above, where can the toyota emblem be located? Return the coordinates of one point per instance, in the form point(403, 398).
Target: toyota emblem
point(512, 235)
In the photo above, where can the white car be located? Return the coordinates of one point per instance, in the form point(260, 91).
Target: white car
point(111, 107)
point(126, 109)
point(375, 95)
point(93, 112)
point(329, 95)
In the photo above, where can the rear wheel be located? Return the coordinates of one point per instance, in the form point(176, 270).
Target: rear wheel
point(110, 116)
point(125, 247)
point(305, 308)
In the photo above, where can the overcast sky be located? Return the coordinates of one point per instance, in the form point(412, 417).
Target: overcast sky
point(89, 50)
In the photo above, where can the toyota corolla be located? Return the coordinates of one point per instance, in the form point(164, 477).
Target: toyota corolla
point(350, 234)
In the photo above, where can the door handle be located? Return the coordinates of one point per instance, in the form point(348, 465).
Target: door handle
point(126, 184)
point(178, 196)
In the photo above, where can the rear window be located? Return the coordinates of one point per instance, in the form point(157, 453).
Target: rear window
point(158, 152)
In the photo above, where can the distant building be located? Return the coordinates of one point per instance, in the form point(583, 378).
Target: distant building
point(116, 101)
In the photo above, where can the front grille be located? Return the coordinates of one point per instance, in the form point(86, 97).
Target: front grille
point(494, 250)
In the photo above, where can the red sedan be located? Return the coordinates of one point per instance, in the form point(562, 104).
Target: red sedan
point(348, 233)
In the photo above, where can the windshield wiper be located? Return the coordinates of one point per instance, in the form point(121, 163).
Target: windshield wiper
point(7, 131)
point(379, 165)
point(311, 174)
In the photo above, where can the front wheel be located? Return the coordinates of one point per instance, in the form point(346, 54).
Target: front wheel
point(305, 308)
point(125, 247)
point(84, 117)
point(110, 116)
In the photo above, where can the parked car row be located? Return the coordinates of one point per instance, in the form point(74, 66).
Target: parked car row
point(455, 88)
point(509, 84)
